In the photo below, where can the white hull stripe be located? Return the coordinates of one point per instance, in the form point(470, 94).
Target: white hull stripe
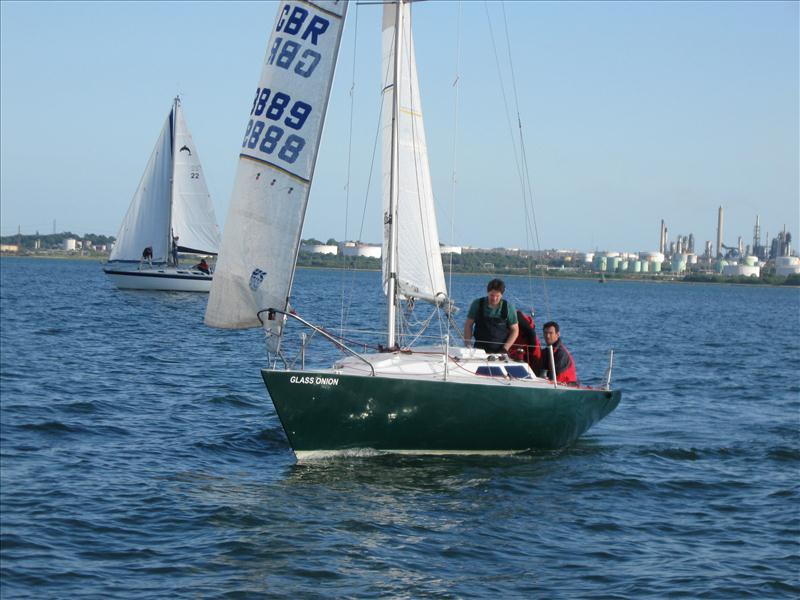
point(366, 452)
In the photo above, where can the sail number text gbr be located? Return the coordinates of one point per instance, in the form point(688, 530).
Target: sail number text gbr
point(277, 119)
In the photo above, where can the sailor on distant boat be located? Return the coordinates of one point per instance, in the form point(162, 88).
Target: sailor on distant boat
point(565, 366)
point(494, 320)
point(147, 255)
point(203, 266)
point(175, 250)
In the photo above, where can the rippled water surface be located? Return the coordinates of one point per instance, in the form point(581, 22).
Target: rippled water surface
point(142, 458)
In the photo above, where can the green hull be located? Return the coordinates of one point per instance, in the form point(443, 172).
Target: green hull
point(326, 412)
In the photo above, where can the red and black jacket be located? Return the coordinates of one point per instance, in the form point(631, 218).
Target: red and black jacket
point(565, 366)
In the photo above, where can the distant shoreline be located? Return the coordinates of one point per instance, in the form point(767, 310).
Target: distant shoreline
point(56, 257)
point(571, 276)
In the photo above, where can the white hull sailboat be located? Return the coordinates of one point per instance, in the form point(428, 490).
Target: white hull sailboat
point(170, 213)
point(169, 279)
point(403, 399)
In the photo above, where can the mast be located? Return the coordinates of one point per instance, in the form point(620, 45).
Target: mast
point(393, 188)
point(173, 137)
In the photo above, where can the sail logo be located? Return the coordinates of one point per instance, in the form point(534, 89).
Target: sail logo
point(256, 278)
point(308, 380)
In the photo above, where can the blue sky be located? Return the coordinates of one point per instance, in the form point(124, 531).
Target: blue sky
point(632, 112)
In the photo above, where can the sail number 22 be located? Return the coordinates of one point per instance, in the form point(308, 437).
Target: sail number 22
point(273, 107)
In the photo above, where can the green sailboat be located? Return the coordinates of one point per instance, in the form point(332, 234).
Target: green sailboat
point(438, 399)
point(329, 411)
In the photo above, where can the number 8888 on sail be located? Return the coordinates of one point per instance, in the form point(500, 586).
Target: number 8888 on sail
point(289, 148)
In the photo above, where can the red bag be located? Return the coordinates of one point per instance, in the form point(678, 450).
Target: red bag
point(526, 347)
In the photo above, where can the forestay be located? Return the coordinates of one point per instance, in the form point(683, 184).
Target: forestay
point(276, 165)
point(418, 258)
point(193, 218)
point(145, 223)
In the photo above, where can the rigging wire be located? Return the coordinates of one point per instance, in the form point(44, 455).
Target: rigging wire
point(349, 162)
point(503, 93)
point(421, 175)
point(454, 178)
point(520, 159)
point(419, 178)
point(366, 197)
point(523, 171)
point(528, 185)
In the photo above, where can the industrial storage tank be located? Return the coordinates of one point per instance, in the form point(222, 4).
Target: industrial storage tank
point(612, 263)
point(635, 266)
point(679, 263)
point(651, 256)
point(751, 261)
point(655, 266)
point(320, 248)
point(600, 262)
point(358, 249)
point(623, 266)
point(787, 265)
point(739, 270)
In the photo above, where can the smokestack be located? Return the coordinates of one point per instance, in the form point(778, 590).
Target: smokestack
point(662, 237)
point(719, 233)
point(757, 236)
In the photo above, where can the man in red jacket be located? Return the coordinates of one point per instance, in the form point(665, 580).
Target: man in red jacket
point(565, 366)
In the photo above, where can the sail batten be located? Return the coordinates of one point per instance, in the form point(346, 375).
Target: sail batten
point(255, 267)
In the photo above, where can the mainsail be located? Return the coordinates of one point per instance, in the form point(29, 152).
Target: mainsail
point(172, 199)
point(276, 165)
point(417, 255)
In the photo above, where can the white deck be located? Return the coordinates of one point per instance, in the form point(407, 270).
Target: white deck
point(428, 363)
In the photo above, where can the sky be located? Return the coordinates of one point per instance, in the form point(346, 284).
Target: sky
point(631, 112)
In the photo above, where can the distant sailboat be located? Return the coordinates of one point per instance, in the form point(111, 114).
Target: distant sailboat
point(170, 212)
point(419, 400)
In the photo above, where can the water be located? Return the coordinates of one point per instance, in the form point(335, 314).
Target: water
point(141, 457)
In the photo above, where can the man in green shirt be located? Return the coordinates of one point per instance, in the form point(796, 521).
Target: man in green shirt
point(493, 319)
